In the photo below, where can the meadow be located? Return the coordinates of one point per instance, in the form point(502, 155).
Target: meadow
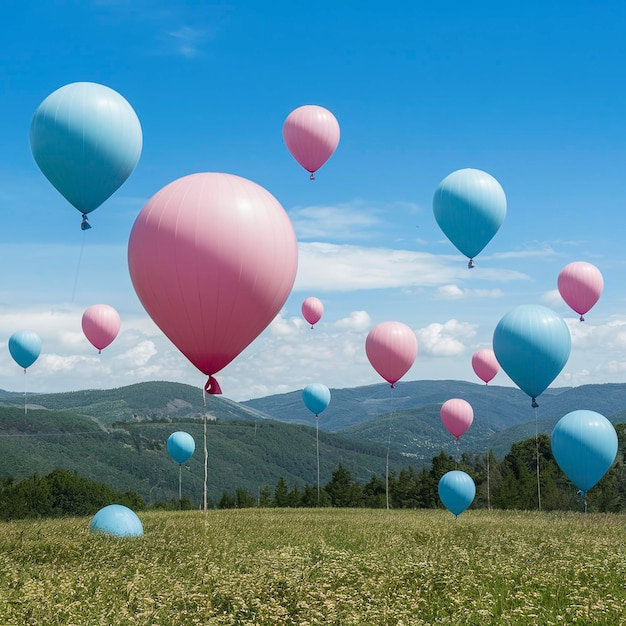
point(318, 566)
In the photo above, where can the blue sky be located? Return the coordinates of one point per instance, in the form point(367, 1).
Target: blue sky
point(531, 93)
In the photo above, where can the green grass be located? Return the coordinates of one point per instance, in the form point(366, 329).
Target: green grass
point(325, 566)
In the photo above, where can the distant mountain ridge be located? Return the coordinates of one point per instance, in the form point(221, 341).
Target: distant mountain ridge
point(118, 435)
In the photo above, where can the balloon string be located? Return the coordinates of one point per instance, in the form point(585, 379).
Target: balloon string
point(80, 258)
point(535, 405)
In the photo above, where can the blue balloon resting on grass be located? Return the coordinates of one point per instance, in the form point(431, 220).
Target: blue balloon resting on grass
point(181, 446)
point(116, 520)
point(584, 444)
point(457, 491)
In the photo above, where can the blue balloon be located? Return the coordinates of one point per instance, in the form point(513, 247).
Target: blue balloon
point(532, 345)
point(316, 397)
point(116, 520)
point(584, 444)
point(181, 446)
point(457, 491)
point(25, 347)
point(469, 206)
point(86, 139)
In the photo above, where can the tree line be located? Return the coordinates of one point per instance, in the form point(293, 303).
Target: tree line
point(507, 484)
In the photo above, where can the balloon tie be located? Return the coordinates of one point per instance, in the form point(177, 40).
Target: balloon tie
point(311, 326)
point(84, 225)
point(582, 319)
point(471, 264)
point(393, 385)
point(312, 176)
point(212, 386)
point(534, 403)
point(99, 351)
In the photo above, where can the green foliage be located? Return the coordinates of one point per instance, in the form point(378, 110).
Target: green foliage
point(58, 494)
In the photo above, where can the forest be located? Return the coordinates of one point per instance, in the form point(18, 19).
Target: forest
point(507, 484)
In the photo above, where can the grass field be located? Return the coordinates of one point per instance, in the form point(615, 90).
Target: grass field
point(323, 566)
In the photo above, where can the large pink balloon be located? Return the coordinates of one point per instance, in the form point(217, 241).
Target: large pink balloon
point(580, 285)
point(212, 258)
point(312, 310)
point(457, 416)
point(311, 134)
point(391, 348)
point(485, 364)
point(100, 323)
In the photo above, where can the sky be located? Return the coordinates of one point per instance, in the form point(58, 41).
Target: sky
point(532, 93)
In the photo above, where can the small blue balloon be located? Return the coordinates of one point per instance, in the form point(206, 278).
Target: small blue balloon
point(469, 206)
point(584, 444)
point(181, 446)
point(457, 491)
point(316, 397)
point(116, 520)
point(532, 345)
point(25, 347)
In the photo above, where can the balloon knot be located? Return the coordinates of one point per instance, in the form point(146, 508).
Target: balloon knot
point(311, 326)
point(393, 385)
point(212, 386)
point(582, 319)
point(99, 351)
point(312, 176)
point(471, 264)
point(534, 403)
point(84, 225)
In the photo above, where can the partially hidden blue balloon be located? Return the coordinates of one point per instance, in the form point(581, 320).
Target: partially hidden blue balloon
point(457, 491)
point(116, 520)
point(584, 444)
point(86, 139)
point(532, 345)
point(181, 446)
point(316, 397)
point(469, 206)
point(25, 347)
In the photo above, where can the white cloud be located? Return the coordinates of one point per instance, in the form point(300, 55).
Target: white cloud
point(332, 267)
point(454, 292)
point(445, 340)
point(358, 321)
point(188, 40)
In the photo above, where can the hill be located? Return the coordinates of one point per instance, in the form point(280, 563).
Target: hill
point(133, 456)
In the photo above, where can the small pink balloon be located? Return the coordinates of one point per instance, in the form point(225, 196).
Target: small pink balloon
point(311, 134)
point(101, 324)
point(457, 416)
point(485, 364)
point(312, 310)
point(391, 348)
point(580, 285)
point(212, 258)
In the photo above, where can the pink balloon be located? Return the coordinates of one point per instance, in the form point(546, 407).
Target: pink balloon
point(485, 364)
point(100, 323)
point(580, 285)
point(212, 258)
point(312, 310)
point(457, 416)
point(391, 348)
point(311, 134)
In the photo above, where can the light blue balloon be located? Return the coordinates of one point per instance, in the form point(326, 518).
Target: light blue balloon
point(469, 206)
point(25, 347)
point(181, 446)
point(316, 397)
point(584, 444)
point(116, 520)
point(457, 491)
point(532, 345)
point(86, 139)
